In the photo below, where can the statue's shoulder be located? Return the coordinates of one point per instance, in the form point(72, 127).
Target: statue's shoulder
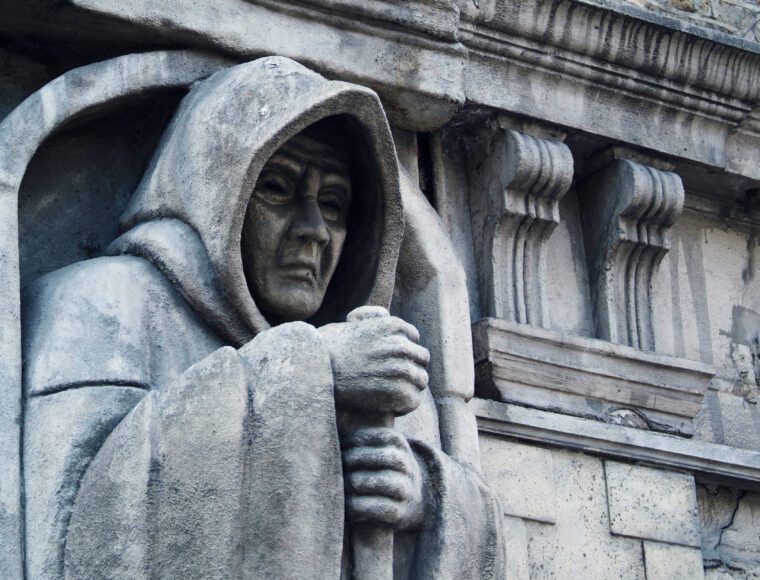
point(90, 322)
point(99, 277)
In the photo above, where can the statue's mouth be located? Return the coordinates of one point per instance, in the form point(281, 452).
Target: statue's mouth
point(300, 270)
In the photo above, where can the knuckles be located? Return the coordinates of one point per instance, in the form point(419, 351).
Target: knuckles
point(377, 364)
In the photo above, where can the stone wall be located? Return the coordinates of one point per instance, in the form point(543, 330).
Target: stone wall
point(580, 516)
point(613, 458)
point(730, 521)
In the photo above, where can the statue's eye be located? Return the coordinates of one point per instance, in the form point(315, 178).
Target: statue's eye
point(275, 188)
point(332, 205)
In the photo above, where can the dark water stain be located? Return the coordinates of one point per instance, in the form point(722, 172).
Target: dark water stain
point(695, 269)
point(745, 326)
point(679, 348)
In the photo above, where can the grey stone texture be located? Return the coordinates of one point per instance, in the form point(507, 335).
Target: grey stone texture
point(586, 377)
point(667, 562)
point(734, 16)
point(609, 520)
point(578, 542)
point(652, 504)
point(627, 209)
point(150, 467)
point(731, 545)
point(576, 178)
point(517, 183)
point(523, 476)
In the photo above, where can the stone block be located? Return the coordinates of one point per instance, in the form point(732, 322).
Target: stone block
point(668, 562)
point(652, 504)
point(740, 542)
point(522, 475)
point(518, 567)
point(579, 544)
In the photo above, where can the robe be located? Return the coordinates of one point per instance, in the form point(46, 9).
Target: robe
point(169, 431)
point(190, 459)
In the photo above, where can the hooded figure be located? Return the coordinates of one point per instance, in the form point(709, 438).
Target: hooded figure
point(176, 430)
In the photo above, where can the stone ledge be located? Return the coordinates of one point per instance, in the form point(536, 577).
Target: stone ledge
point(711, 463)
point(690, 94)
point(587, 377)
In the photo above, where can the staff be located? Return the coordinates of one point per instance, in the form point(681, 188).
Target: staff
point(372, 545)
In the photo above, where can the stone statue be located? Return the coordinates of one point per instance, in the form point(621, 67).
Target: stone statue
point(215, 398)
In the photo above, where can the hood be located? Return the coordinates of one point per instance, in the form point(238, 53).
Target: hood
point(204, 171)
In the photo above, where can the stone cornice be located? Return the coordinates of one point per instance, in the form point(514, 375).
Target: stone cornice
point(586, 377)
point(618, 33)
point(605, 68)
point(437, 18)
point(712, 463)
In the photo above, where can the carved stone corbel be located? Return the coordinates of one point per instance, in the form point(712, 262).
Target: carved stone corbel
point(515, 208)
point(627, 209)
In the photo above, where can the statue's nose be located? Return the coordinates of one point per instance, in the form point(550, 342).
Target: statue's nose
point(308, 224)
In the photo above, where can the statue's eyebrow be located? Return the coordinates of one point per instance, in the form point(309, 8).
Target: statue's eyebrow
point(338, 182)
point(309, 151)
point(290, 166)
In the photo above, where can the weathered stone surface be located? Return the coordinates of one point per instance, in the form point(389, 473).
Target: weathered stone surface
point(587, 377)
point(579, 544)
point(717, 506)
point(652, 504)
point(210, 262)
point(667, 562)
point(740, 541)
point(724, 573)
point(518, 561)
point(627, 209)
point(719, 462)
point(523, 476)
point(517, 182)
point(27, 127)
point(589, 73)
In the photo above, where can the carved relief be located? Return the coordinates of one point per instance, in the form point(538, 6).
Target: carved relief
point(515, 208)
point(627, 210)
point(224, 393)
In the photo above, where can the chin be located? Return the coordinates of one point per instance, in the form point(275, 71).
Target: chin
point(295, 305)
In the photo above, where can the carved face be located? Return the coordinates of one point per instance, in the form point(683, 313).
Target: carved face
point(295, 227)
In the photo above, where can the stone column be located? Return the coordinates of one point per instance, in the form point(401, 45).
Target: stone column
point(627, 209)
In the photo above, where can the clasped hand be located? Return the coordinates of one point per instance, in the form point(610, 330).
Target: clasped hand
point(379, 369)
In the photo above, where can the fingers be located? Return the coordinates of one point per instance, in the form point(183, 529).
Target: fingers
point(382, 478)
point(404, 371)
point(366, 312)
point(390, 484)
point(363, 508)
point(378, 367)
point(371, 458)
point(396, 325)
point(375, 437)
point(387, 326)
point(402, 347)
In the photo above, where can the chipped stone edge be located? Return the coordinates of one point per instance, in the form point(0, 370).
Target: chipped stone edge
point(710, 462)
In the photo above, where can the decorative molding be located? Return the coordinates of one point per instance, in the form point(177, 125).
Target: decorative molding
point(417, 68)
point(741, 146)
point(618, 71)
point(627, 209)
point(587, 377)
point(710, 462)
point(516, 185)
point(437, 18)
